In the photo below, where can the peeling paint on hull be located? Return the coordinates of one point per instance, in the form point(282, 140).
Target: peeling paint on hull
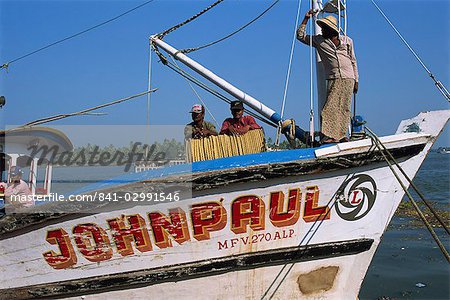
point(307, 235)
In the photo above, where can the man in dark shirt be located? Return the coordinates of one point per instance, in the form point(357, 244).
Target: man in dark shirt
point(199, 128)
point(239, 124)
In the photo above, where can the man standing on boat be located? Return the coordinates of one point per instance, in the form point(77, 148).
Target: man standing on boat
point(239, 124)
point(341, 71)
point(199, 128)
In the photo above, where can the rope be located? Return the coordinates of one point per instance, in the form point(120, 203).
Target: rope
point(231, 34)
point(173, 28)
point(198, 96)
point(82, 112)
point(288, 75)
point(345, 17)
point(6, 65)
point(311, 85)
point(149, 85)
point(438, 84)
point(339, 16)
point(212, 91)
point(147, 131)
point(377, 142)
point(435, 214)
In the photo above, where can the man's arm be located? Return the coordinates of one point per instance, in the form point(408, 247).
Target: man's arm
point(252, 123)
point(225, 127)
point(23, 189)
point(301, 31)
point(210, 129)
point(188, 132)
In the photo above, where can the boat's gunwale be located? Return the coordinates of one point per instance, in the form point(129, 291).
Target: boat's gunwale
point(13, 225)
point(255, 161)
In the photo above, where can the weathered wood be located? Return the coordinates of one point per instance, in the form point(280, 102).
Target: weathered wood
point(208, 180)
point(186, 271)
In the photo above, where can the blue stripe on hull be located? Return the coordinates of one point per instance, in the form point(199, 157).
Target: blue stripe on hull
point(206, 166)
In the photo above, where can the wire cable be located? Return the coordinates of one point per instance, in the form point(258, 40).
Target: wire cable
point(173, 28)
point(438, 84)
point(6, 65)
point(84, 111)
point(441, 246)
point(149, 84)
point(413, 185)
point(233, 33)
point(198, 96)
point(214, 92)
point(288, 75)
point(311, 81)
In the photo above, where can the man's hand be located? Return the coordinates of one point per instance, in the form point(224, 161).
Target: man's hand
point(245, 129)
point(197, 132)
point(355, 88)
point(310, 13)
point(240, 131)
point(207, 132)
point(233, 131)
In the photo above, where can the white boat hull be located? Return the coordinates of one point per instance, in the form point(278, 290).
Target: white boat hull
point(238, 241)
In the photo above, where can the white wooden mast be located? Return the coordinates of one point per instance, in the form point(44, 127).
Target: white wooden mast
point(321, 83)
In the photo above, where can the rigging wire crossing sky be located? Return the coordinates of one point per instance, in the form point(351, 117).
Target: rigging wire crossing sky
point(87, 67)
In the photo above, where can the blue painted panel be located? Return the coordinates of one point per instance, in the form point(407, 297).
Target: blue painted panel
point(206, 166)
point(199, 167)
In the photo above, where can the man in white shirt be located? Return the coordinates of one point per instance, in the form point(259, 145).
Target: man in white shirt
point(341, 70)
point(17, 192)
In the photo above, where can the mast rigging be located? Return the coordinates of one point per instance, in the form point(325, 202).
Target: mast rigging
point(439, 85)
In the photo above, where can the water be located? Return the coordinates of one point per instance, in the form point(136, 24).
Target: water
point(63, 177)
point(408, 264)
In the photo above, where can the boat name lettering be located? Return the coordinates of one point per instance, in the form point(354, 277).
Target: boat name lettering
point(256, 238)
point(130, 233)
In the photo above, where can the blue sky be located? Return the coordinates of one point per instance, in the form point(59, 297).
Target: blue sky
point(111, 62)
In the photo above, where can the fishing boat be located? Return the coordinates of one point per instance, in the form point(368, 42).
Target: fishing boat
point(241, 223)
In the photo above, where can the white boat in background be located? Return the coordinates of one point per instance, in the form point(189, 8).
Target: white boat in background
point(294, 224)
point(17, 147)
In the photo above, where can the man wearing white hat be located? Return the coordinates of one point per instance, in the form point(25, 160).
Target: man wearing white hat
point(341, 71)
point(199, 128)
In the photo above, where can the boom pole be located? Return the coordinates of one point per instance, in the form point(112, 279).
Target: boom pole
point(257, 105)
point(223, 84)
